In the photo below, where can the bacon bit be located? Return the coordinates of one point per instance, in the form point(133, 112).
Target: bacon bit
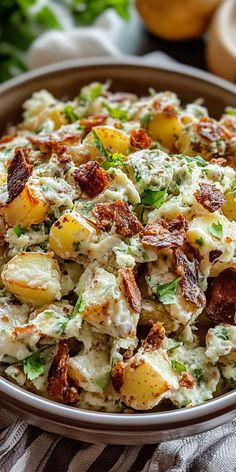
point(7, 139)
point(155, 337)
point(139, 139)
point(161, 235)
point(168, 110)
point(91, 178)
point(187, 381)
point(221, 297)
point(131, 288)
point(126, 223)
point(215, 254)
point(52, 140)
point(96, 120)
point(18, 173)
point(210, 130)
point(62, 157)
point(218, 160)
point(230, 124)
point(58, 383)
point(186, 266)
point(210, 197)
point(117, 374)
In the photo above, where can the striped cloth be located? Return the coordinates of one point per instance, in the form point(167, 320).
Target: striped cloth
point(25, 448)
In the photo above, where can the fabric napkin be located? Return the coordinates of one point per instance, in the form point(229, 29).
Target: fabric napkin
point(25, 448)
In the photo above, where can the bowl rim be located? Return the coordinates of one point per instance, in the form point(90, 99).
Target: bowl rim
point(47, 408)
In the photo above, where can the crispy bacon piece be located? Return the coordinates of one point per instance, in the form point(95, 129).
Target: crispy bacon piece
point(7, 138)
point(214, 255)
point(96, 120)
point(139, 139)
point(168, 110)
point(161, 234)
point(210, 130)
point(210, 197)
point(53, 140)
point(18, 173)
point(155, 337)
point(221, 297)
point(62, 155)
point(187, 381)
point(91, 178)
point(117, 376)
point(186, 266)
point(126, 223)
point(131, 288)
point(58, 383)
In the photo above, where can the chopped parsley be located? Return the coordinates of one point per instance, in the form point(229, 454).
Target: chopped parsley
point(199, 375)
point(200, 241)
point(33, 365)
point(113, 160)
point(90, 93)
point(216, 230)
point(223, 334)
point(116, 112)
point(79, 306)
point(233, 187)
point(18, 230)
point(178, 366)
point(230, 111)
point(153, 197)
point(70, 114)
point(166, 293)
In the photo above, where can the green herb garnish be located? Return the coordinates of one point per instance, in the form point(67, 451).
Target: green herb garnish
point(216, 230)
point(233, 187)
point(144, 121)
point(177, 366)
point(18, 230)
point(230, 111)
point(166, 293)
point(223, 334)
point(89, 93)
point(33, 365)
point(79, 306)
point(199, 375)
point(70, 114)
point(153, 197)
point(200, 241)
point(116, 112)
point(99, 145)
point(172, 349)
point(198, 159)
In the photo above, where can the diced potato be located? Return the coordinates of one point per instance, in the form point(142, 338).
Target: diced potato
point(26, 209)
point(164, 128)
point(67, 234)
point(33, 278)
point(114, 140)
point(91, 370)
point(229, 209)
point(144, 379)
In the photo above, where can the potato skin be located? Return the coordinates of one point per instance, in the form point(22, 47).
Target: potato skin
point(114, 140)
point(67, 233)
point(164, 128)
point(26, 209)
point(229, 209)
point(33, 278)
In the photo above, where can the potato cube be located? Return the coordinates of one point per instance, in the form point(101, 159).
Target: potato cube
point(144, 379)
point(166, 129)
point(229, 209)
point(68, 233)
point(90, 370)
point(33, 278)
point(26, 209)
point(114, 140)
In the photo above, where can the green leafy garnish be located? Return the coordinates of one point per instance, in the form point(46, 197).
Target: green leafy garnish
point(70, 114)
point(144, 121)
point(233, 187)
point(90, 93)
point(153, 198)
point(199, 375)
point(79, 306)
point(166, 293)
point(33, 365)
point(172, 349)
point(198, 159)
point(61, 326)
point(200, 241)
point(230, 111)
point(223, 334)
point(216, 230)
point(49, 313)
point(99, 145)
point(86, 11)
point(113, 160)
point(45, 17)
point(116, 112)
point(18, 230)
point(177, 366)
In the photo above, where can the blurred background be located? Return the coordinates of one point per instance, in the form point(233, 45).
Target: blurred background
point(200, 33)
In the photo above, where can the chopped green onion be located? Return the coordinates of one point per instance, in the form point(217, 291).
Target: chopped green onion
point(166, 293)
point(18, 230)
point(177, 366)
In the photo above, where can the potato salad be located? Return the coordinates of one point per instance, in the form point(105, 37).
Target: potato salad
point(118, 250)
